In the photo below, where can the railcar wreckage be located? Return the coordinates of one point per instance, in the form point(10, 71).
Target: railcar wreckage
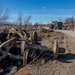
point(21, 47)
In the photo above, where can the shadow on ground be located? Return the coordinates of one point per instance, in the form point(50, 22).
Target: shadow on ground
point(65, 58)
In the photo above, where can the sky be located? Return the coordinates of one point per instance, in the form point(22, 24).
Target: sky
point(42, 11)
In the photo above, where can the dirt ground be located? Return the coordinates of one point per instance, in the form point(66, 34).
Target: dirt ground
point(63, 65)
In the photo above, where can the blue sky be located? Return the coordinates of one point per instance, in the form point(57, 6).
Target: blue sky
point(42, 11)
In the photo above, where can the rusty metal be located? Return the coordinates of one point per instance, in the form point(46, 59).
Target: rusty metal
point(23, 46)
point(16, 57)
point(56, 49)
point(5, 47)
point(61, 50)
point(28, 45)
point(34, 37)
point(24, 38)
point(38, 47)
point(25, 57)
point(29, 55)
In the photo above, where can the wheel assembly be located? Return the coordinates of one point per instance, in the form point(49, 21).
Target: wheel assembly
point(26, 48)
point(23, 45)
point(56, 49)
point(5, 47)
point(25, 57)
point(34, 37)
point(29, 55)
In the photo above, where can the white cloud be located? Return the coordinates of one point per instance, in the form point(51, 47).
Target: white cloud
point(43, 7)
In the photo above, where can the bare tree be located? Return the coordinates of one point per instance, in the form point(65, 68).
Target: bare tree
point(69, 20)
point(3, 15)
point(19, 19)
point(26, 21)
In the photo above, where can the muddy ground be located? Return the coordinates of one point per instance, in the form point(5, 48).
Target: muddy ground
point(63, 65)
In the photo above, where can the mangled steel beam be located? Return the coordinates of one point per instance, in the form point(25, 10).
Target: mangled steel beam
point(23, 37)
point(16, 57)
point(39, 47)
point(5, 47)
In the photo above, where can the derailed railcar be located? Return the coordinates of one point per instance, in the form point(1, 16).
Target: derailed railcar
point(21, 48)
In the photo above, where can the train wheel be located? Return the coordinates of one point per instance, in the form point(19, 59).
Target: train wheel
point(29, 55)
point(25, 57)
point(56, 49)
point(34, 37)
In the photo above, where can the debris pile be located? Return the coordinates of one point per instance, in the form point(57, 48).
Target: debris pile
point(46, 30)
point(20, 47)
